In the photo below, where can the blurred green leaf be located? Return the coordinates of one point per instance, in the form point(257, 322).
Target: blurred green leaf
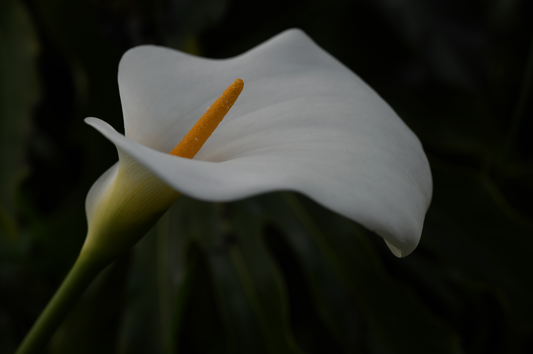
point(156, 280)
point(181, 20)
point(247, 289)
point(85, 53)
point(19, 91)
point(481, 240)
point(449, 122)
point(258, 274)
point(141, 328)
point(395, 320)
point(194, 315)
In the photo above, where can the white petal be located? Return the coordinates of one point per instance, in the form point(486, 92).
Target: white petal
point(304, 122)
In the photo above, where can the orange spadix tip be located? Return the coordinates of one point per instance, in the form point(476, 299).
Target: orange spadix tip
point(206, 125)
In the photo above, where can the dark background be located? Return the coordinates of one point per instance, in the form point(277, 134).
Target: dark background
point(275, 273)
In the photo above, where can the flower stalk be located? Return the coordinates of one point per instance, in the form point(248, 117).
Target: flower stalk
point(84, 270)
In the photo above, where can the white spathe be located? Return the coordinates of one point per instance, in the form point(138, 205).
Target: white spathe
point(304, 123)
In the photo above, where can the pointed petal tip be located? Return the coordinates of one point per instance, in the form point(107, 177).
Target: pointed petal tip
point(400, 253)
point(90, 120)
point(395, 250)
point(94, 122)
point(100, 126)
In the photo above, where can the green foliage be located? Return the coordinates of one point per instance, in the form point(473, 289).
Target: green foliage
point(18, 95)
point(275, 273)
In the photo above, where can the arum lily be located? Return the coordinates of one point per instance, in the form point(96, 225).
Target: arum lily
point(304, 122)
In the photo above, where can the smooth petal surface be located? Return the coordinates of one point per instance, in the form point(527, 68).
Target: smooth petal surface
point(304, 122)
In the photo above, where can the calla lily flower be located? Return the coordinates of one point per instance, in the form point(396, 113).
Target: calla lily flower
point(303, 123)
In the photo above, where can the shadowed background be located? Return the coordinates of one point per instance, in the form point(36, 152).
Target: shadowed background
point(275, 273)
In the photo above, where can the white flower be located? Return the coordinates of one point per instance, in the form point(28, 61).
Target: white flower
point(304, 123)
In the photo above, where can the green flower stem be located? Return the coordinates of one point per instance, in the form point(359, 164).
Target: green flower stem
point(86, 268)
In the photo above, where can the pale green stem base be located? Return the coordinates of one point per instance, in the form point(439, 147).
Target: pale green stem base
point(78, 279)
